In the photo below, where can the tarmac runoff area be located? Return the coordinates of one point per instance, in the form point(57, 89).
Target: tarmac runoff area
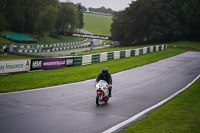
point(68, 52)
point(71, 107)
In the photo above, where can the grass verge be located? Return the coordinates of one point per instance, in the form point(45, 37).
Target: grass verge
point(24, 81)
point(61, 39)
point(43, 40)
point(97, 24)
point(181, 115)
point(12, 57)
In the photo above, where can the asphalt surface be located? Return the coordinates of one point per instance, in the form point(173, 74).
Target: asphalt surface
point(95, 41)
point(68, 52)
point(71, 108)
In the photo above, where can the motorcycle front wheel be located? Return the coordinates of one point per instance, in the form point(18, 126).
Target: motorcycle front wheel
point(98, 99)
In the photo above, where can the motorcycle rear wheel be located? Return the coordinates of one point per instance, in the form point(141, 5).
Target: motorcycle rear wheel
point(98, 99)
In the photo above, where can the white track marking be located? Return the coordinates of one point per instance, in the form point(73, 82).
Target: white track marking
point(116, 127)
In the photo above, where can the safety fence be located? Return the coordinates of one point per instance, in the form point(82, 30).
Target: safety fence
point(32, 48)
point(54, 63)
point(107, 56)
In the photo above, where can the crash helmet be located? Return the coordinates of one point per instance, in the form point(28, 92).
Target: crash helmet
point(105, 70)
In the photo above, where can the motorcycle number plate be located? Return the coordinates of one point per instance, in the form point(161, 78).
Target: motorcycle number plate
point(100, 85)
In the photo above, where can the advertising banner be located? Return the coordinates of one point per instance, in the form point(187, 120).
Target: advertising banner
point(14, 66)
point(51, 63)
point(92, 36)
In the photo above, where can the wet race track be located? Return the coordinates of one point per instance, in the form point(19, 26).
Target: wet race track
point(71, 108)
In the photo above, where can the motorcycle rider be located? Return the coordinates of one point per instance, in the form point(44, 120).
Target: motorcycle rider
point(107, 77)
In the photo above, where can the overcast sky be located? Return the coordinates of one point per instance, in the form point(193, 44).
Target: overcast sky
point(113, 4)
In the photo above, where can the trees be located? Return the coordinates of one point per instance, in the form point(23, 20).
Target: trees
point(139, 17)
point(101, 10)
point(117, 28)
point(3, 23)
point(132, 24)
point(46, 21)
point(67, 17)
point(157, 21)
point(81, 9)
point(38, 17)
point(191, 15)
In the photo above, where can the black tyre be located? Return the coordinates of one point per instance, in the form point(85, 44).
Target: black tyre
point(98, 99)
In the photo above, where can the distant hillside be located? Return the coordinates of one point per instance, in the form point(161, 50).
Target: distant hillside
point(97, 24)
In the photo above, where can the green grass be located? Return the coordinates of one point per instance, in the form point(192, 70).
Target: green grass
point(24, 81)
point(4, 41)
point(191, 46)
point(50, 40)
point(12, 57)
point(43, 40)
point(181, 115)
point(97, 24)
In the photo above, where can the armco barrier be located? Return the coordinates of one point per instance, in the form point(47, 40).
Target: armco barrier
point(50, 47)
point(116, 55)
point(151, 49)
point(133, 52)
point(157, 48)
point(53, 63)
point(122, 54)
point(95, 58)
point(144, 50)
point(87, 59)
point(128, 53)
point(103, 57)
point(78, 61)
point(106, 56)
point(141, 51)
point(110, 56)
point(137, 52)
point(148, 49)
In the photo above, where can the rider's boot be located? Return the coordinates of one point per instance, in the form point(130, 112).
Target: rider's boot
point(110, 95)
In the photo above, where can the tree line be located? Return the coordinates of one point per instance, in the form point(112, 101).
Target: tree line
point(157, 21)
point(39, 17)
point(101, 10)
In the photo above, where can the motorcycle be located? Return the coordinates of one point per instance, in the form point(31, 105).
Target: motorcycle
point(102, 92)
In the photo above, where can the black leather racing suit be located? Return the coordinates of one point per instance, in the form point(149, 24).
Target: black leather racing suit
point(107, 78)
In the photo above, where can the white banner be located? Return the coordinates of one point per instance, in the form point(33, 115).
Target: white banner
point(14, 66)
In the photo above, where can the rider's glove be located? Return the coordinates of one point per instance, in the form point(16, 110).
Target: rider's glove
point(110, 86)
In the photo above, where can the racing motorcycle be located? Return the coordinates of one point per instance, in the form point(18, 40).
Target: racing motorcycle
point(102, 92)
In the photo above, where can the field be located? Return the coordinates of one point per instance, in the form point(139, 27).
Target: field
point(97, 24)
point(181, 115)
point(50, 40)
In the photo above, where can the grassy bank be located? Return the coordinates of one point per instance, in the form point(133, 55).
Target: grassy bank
point(97, 24)
point(191, 46)
point(43, 40)
point(181, 115)
point(24, 81)
point(61, 39)
point(12, 57)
